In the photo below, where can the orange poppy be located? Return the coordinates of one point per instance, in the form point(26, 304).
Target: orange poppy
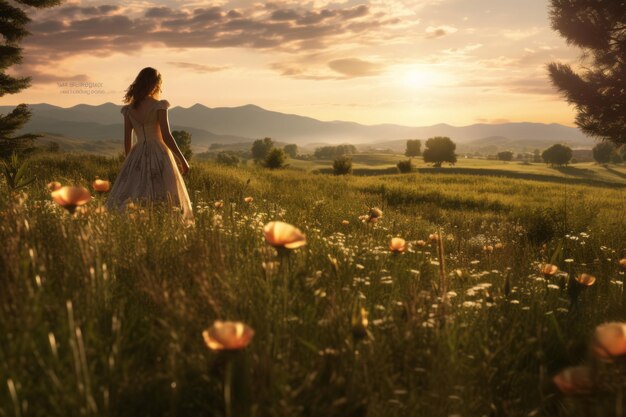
point(53, 186)
point(101, 186)
point(71, 197)
point(397, 244)
point(586, 280)
point(227, 335)
point(574, 380)
point(610, 340)
point(549, 269)
point(285, 235)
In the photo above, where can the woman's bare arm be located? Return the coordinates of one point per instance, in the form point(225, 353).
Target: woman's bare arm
point(128, 131)
point(169, 139)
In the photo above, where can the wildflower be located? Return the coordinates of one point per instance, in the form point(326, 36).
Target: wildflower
point(248, 199)
point(227, 335)
point(270, 267)
point(218, 204)
point(498, 246)
point(622, 262)
point(345, 222)
point(397, 244)
point(586, 280)
point(281, 234)
point(549, 269)
point(53, 186)
point(359, 323)
point(433, 237)
point(101, 186)
point(610, 340)
point(420, 243)
point(488, 248)
point(373, 216)
point(71, 197)
point(574, 380)
point(375, 213)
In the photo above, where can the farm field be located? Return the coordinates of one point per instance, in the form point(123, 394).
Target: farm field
point(582, 172)
point(103, 314)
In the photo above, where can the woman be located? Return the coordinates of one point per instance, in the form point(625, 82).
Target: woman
point(149, 172)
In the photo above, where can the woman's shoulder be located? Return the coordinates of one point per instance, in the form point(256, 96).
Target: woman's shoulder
point(163, 104)
point(124, 109)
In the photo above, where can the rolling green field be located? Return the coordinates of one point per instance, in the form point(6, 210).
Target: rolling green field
point(584, 172)
point(102, 314)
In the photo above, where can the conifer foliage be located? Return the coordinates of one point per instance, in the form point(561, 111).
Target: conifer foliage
point(13, 21)
point(597, 90)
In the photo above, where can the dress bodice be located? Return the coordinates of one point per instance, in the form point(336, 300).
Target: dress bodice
point(148, 129)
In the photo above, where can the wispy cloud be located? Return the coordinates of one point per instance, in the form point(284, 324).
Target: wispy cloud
point(433, 32)
point(354, 67)
point(198, 67)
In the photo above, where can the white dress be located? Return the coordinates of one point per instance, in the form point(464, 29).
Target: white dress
point(149, 172)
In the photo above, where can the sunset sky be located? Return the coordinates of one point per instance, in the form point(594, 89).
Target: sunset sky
point(412, 62)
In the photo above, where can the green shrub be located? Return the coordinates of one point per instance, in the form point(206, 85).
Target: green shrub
point(405, 166)
point(342, 165)
point(275, 159)
point(227, 158)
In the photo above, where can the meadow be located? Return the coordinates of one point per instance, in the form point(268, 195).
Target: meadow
point(102, 314)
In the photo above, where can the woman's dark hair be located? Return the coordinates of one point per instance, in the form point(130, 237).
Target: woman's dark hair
point(148, 82)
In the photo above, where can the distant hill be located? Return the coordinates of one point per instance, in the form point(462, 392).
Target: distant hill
point(246, 123)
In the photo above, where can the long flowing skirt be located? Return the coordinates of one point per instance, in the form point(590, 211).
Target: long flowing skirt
point(150, 174)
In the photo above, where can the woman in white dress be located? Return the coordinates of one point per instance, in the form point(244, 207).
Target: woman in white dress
point(149, 173)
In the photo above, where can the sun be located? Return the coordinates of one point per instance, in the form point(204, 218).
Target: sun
point(421, 78)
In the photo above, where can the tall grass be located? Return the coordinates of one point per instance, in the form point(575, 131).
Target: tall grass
point(102, 314)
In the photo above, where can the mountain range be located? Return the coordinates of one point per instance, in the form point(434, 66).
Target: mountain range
point(230, 125)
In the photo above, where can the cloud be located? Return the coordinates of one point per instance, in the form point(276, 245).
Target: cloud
point(198, 67)
point(316, 67)
point(38, 68)
point(433, 32)
point(354, 67)
point(42, 77)
point(520, 34)
point(72, 30)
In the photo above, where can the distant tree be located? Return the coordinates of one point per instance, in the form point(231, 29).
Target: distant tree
point(405, 166)
point(537, 155)
point(505, 156)
point(291, 150)
point(622, 152)
point(438, 150)
point(557, 155)
point(275, 159)
point(261, 148)
point(227, 158)
point(183, 140)
point(616, 158)
point(333, 152)
point(10, 144)
point(603, 152)
point(342, 165)
point(597, 90)
point(413, 147)
point(13, 23)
